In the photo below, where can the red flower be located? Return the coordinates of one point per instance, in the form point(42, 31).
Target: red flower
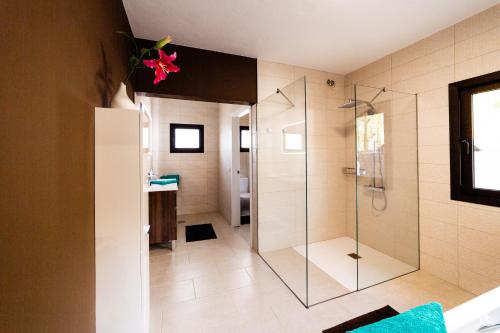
point(162, 66)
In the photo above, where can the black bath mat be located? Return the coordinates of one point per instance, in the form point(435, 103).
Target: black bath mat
point(367, 318)
point(200, 232)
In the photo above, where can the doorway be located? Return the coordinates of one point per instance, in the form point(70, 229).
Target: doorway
point(216, 176)
point(234, 144)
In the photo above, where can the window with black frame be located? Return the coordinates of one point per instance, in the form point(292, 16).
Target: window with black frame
point(186, 138)
point(244, 139)
point(475, 139)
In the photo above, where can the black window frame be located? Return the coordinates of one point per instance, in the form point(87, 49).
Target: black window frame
point(462, 141)
point(244, 128)
point(174, 126)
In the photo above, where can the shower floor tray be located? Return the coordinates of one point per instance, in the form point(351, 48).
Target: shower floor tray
point(332, 257)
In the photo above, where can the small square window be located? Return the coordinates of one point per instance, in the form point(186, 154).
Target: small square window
point(293, 142)
point(186, 138)
point(293, 138)
point(475, 139)
point(370, 133)
point(244, 139)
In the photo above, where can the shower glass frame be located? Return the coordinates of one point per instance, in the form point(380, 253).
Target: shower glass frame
point(405, 106)
point(304, 290)
point(291, 97)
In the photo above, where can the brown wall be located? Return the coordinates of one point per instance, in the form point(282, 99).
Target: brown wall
point(57, 58)
point(204, 76)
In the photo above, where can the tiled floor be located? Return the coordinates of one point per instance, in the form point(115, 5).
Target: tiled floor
point(290, 265)
point(372, 267)
point(222, 286)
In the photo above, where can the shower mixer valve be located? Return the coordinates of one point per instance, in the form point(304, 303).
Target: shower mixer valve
point(375, 188)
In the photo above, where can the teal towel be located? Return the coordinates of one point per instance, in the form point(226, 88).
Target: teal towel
point(162, 181)
point(426, 318)
point(172, 176)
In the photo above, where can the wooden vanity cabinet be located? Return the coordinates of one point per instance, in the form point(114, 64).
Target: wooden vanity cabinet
point(162, 216)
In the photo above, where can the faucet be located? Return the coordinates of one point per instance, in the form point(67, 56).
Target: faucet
point(151, 175)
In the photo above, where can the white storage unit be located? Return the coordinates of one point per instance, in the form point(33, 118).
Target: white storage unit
point(121, 251)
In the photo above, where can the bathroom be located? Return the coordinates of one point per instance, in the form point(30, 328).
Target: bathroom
point(283, 166)
point(214, 179)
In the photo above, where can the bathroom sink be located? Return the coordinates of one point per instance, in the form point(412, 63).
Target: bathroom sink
point(157, 188)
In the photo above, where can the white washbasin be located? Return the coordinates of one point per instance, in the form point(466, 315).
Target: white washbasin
point(157, 188)
point(480, 311)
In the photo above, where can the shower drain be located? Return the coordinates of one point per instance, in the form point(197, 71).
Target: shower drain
point(354, 256)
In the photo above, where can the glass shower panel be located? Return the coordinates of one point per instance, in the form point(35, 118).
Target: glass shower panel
point(282, 185)
point(386, 184)
point(332, 265)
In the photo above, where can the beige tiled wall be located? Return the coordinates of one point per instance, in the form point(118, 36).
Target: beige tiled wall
point(460, 242)
point(198, 192)
point(326, 151)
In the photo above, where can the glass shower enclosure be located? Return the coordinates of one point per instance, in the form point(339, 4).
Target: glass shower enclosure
point(337, 188)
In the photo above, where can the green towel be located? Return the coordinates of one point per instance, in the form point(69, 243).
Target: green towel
point(172, 176)
point(426, 318)
point(162, 181)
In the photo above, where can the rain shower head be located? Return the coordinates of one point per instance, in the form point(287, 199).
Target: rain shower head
point(349, 104)
point(357, 103)
point(354, 102)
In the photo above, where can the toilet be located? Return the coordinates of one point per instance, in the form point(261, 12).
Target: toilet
point(244, 197)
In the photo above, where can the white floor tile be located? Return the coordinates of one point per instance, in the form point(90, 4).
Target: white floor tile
point(223, 286)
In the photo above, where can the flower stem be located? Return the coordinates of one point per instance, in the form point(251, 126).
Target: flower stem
point(138, 63)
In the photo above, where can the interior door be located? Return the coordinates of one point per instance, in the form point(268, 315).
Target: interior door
point(235, 171)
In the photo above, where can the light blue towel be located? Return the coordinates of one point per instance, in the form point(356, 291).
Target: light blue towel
point(426, 318)
point(162, 181)
point(172, 176)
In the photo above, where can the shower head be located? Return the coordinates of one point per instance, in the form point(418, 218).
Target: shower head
point(350, 104)
point(353, 102)
point(357, 103)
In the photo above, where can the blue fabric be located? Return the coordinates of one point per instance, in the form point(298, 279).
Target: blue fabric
point(172, 176)
point(162, 181)
point(427, 318)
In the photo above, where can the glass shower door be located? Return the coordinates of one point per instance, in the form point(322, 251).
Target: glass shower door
point(386, 184)
point(282, 185)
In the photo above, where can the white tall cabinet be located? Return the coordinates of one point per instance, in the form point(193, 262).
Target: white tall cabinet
point(121, 251)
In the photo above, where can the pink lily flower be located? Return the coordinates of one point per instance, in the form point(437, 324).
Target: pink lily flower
point(162, 66)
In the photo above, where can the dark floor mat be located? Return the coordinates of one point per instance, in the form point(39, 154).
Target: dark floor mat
point(366, 319)
point(199, 232)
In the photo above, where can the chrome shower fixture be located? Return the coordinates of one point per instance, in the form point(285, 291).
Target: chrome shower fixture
point(279, 91)
point(359, 102)
point(350, 103)
point(376, 156)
